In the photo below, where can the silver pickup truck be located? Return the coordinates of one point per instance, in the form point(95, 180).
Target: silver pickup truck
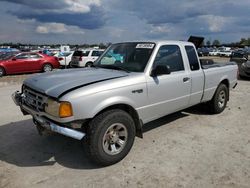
point(132, 83)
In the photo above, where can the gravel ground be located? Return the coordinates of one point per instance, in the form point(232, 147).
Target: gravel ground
point(187, 149)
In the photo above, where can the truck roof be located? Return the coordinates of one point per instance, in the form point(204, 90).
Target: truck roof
point(161, 42)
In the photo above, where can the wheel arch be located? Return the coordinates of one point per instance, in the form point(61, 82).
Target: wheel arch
point(4, 69)
point(46, 63)
point(224, 81)
point(89, 62)
point(131, 111)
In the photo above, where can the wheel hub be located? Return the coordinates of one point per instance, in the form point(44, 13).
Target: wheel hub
point(115, 139)
point(222, 99)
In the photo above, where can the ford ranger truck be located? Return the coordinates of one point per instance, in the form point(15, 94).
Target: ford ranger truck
point(106, 105)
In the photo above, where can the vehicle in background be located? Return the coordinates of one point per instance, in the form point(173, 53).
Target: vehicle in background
point(28, 62)
point(214, 52)
point(85, 58)
point(5, 50)
point(7, 55)
point(64, 58)
point(241, 58)
point(203, 52)
point(225, 53)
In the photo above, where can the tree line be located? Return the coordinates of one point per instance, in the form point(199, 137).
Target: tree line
point(216, 42)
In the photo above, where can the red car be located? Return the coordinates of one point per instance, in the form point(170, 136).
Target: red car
point(28, 62)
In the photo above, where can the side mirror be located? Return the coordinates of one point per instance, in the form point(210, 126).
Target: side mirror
point(13, 59)
point(160, 70)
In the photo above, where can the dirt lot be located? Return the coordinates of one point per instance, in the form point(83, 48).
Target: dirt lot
point(187, 149)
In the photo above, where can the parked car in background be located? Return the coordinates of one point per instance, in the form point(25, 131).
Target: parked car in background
point(85, 58)
point(225, 53)
point(203, 52)
point(64, 58)
point(241, 58)
point(214, 52)
point(28, 62)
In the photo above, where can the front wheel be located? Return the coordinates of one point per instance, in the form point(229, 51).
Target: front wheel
point(47, 68)
point(110, 137)
point(219, 101)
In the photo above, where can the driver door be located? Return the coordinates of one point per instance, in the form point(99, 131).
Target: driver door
point(18, 63)
point(168, 93)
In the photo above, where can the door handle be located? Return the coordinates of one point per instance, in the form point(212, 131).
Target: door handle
point(186, 79)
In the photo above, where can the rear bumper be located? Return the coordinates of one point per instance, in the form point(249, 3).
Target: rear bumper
point(44, 122)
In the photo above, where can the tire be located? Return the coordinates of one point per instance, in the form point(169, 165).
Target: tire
point(110, 136)
point(69, 65)
point(47, 67)
point(220, 98)
point(89, 64)
point(2, 71)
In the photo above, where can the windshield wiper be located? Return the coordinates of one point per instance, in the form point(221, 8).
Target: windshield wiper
point(113, 67)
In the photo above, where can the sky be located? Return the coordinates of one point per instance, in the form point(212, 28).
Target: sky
point(96, 21)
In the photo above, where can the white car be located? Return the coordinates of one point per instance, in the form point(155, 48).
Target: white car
point(85, 58)
point(226, 53)
point(64, 58)
point(214, 52)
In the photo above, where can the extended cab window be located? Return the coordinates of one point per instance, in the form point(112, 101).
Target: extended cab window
point(192, 58)
point(170, 55)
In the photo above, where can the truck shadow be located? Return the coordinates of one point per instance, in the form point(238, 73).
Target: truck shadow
point(163, 121)
point(201, 109)
point(22, 146)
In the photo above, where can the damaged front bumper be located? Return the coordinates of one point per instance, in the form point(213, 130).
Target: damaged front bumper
point(42, 122)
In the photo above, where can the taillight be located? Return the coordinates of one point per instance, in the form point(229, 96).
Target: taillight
point(60, 58)
point(80, 59)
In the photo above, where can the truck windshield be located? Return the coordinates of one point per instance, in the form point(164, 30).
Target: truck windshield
point(130, 57)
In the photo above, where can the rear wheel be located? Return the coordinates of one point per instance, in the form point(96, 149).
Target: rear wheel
point(89, 64)
point(47, 67)
point(110, 137)
point(219, 101)
point(2, 71)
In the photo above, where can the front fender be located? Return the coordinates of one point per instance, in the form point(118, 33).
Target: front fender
point(116, 100)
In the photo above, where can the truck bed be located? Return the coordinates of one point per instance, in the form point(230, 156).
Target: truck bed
point(216, 72)
point(209, 63)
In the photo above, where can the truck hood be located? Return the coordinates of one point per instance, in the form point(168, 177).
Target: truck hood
point(55, 84)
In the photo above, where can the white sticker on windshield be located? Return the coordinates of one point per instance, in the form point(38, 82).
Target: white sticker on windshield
point(145, 45)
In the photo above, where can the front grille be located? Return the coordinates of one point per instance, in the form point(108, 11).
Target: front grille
point(34, 100)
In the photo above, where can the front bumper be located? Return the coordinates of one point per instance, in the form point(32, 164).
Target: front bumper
point(44, 122)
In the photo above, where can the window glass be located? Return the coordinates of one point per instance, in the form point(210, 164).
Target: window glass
point(22, 56)
point(192, 58)
point(85, 53)
point(97, 53)
point(170, 55)
point(130, 56)
point(35, 56)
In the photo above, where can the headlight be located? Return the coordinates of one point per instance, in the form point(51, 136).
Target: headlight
point(59, 109)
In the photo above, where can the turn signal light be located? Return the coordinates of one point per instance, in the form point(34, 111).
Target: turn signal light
point(65, 110)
